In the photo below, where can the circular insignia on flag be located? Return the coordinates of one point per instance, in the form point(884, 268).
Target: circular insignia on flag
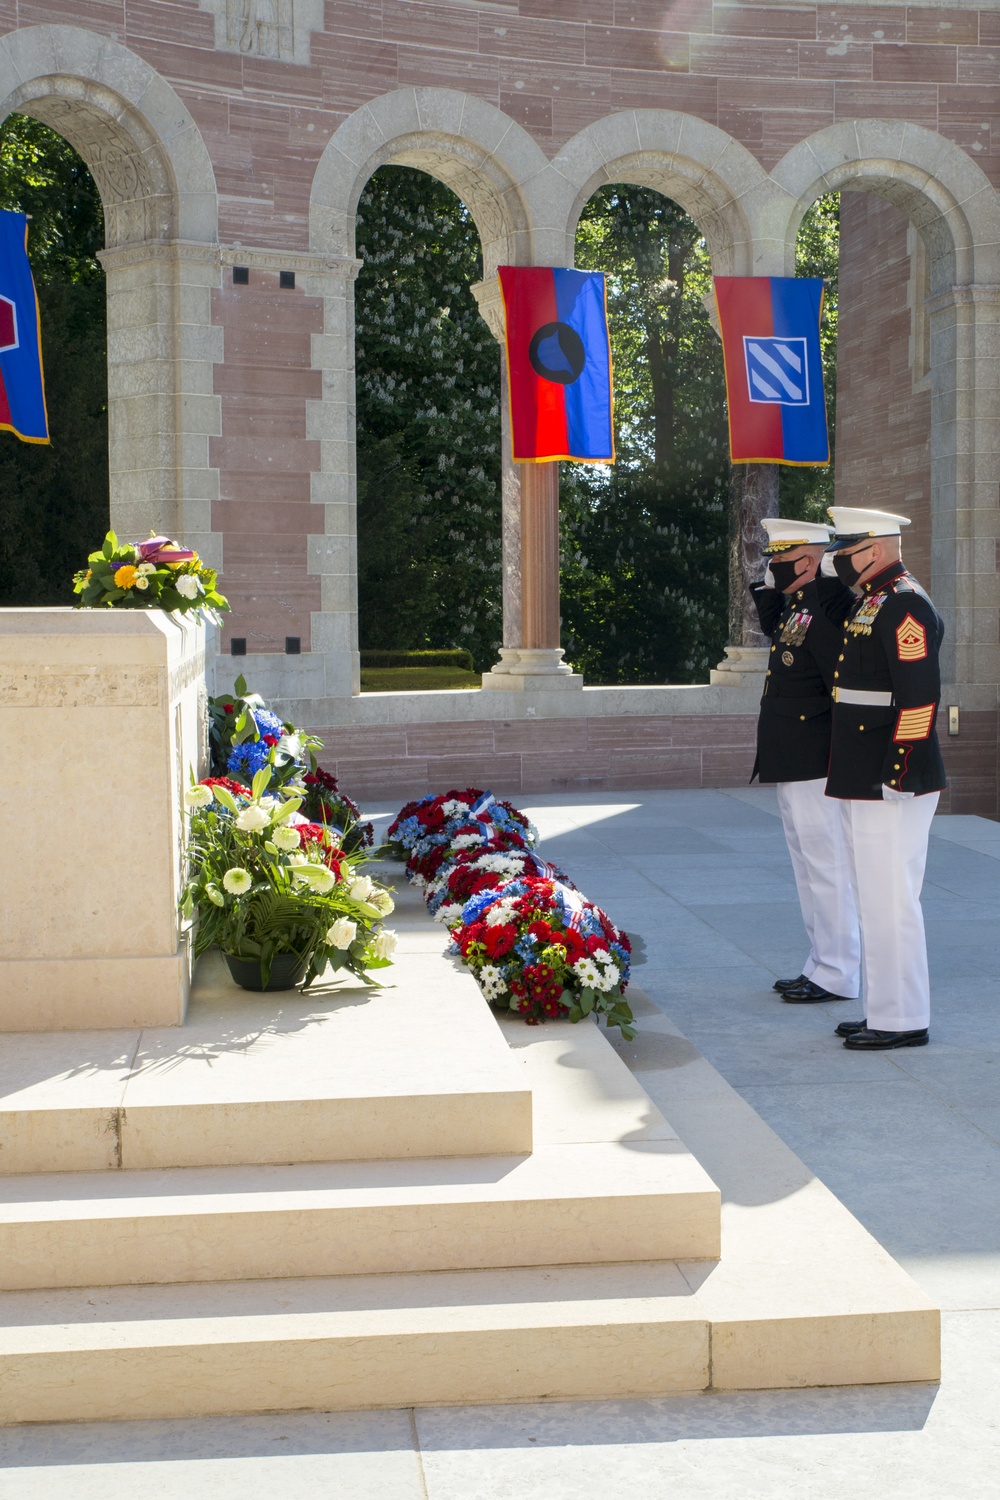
point(556, 353)
point(787, 658)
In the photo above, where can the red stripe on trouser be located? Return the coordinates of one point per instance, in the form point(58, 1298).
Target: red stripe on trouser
point(887, 844)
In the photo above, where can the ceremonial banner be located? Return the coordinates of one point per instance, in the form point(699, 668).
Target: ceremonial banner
point(558, 364)
point(22, 392)
point(774, 368)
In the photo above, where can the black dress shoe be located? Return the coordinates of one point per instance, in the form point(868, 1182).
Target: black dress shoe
point(882, 1041)
point(781, 985)
point(807, 993)
point(850, 1028)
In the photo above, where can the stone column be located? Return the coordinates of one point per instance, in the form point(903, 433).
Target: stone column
point(490, 302)
point(753, 494)
point(531, 655)
point(162, 406)
point(965, 472)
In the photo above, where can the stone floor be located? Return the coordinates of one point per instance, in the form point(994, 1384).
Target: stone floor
point(909, 1141)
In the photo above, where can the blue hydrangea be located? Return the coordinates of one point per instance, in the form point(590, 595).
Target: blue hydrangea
point(268, 723)
point(247, 759)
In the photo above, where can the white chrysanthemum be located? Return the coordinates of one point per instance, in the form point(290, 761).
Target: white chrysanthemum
point(498, 913)
point(237, 881)
point(187, 586)
point(361, 888)
point(384, 946)
point(198, 796)
point(419, 881)
point(499, 864)
point(342, 933)
point(252, 819)
point(466, 840)
point(588, 973)
point(452, 808)
point(450, 912)
point(286, 839)
point(493, 983)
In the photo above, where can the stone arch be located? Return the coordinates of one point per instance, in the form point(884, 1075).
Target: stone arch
point(945, 194)
point(481, 154)
point(494, 167)
point(956, 211)
point(161, 258)
point(136, 135)
point(713, 178)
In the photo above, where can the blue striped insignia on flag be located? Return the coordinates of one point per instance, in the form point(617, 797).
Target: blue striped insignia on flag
point(777, 370)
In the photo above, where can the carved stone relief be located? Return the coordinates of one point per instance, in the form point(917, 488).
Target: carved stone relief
point(129, 173)
point(275, 29)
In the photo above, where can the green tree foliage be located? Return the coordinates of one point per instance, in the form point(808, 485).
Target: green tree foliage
point(428, 421)
point(54, 499)
point(806, 493)
point(644, 543)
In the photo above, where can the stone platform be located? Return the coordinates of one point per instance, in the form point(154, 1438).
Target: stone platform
point(260, 1233)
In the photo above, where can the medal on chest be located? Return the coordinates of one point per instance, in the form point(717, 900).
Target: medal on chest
point(862, 622)
point(793, 631)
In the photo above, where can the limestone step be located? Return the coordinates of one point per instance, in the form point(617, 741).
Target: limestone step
point(567, 1204)
point(416, 1068)
point(446, 1337)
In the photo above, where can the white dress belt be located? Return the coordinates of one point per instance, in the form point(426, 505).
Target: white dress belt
point(862, 697)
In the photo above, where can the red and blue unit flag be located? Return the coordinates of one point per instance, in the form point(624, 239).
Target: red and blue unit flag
point(558, 365)
point(774, 368)
point(22, 388)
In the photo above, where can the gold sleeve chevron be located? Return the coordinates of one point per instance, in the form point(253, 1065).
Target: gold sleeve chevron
point(915, 723)
point(911, 640)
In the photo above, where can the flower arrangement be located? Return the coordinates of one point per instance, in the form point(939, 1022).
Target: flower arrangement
point(432, 819)
point(157, 574)
point(266, 882)
point(539, 949)
point(245, 736)
point(484, 869)
point(426, 863)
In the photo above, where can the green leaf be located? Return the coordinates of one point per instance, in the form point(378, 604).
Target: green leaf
point(285, 810)
point(586, 1001)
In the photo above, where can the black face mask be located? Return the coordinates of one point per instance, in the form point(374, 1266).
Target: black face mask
point(785, 574)
point(845, 566)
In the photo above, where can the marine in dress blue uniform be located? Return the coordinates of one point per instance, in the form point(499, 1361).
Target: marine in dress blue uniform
point(802, 617)
point(886, 769)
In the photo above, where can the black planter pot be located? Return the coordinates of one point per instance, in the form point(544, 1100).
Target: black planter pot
point(287, 970)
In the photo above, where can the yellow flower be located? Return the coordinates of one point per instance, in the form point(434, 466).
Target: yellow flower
point(126, 576)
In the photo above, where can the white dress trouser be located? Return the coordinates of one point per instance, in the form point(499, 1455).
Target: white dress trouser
point(814, 832)
point(887, 842)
